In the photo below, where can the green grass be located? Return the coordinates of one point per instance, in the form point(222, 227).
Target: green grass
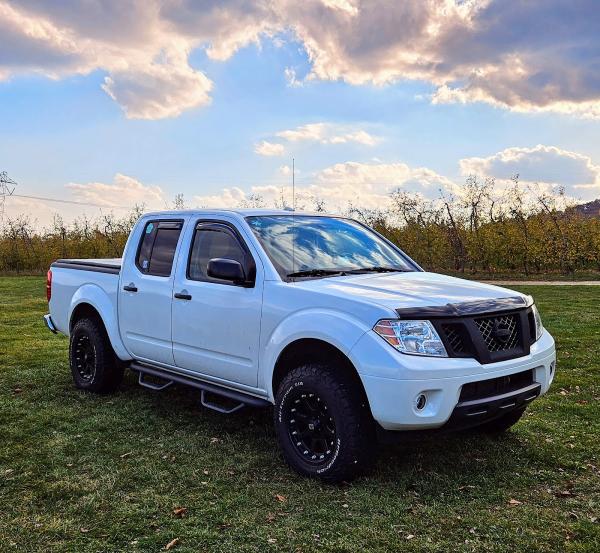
point(85, 473)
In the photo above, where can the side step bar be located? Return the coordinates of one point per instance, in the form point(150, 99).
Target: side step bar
point(206, 388)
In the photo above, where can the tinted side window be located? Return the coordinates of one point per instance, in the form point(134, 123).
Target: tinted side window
point(157, 247)
point(145, 249)
point(208, 244)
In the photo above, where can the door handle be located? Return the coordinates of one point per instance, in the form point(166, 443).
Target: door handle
point(130, 288)
point(182, 296)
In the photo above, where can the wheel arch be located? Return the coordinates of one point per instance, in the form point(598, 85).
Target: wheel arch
point(84, 310)
point(314, 350)
point(91, 300)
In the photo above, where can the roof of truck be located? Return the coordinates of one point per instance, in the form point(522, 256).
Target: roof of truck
point(242, 212)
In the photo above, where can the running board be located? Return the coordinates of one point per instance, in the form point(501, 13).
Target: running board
point(241, 398)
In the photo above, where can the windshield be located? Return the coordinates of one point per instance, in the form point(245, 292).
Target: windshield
point(313, 246)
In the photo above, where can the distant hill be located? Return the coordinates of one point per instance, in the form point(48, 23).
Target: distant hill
point(589, 209)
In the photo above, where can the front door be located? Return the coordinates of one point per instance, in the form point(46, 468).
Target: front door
point(216, 324)
point(146, 292)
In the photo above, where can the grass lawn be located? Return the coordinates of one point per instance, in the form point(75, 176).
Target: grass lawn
point(85, 473)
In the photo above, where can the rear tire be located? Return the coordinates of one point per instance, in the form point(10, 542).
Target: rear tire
point(323, 424)
point(503, 423)
point(94, 365)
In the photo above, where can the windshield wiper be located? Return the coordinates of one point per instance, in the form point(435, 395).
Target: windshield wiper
point(377, 270)
point(315, 273)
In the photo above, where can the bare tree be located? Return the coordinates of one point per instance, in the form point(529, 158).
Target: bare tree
point(179, 202)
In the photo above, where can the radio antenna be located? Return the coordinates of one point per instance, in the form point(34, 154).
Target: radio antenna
point(293, 215)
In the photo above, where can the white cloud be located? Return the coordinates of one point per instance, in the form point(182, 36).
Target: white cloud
point(339, 186)
point(158, 91)
point(345, 6)
point(476, 50)
point(39, 213)
point(146, 60)
point(328, 133)
point(124, 191)
point(90, 199)
point(291, 78)
point(265, 148)
point(362, 185)
point(469, 51)
point(229, 197)
point(548, 166)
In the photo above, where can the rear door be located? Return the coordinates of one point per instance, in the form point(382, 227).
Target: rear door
point(216, 324)
point(146, 291)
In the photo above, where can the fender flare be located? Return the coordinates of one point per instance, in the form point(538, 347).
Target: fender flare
point(340, 330)
point(95, 296)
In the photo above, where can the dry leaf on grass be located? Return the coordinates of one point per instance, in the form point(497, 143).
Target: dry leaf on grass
point(172, 544)
point(515, 502)
point(280, 498)
point(180, 512)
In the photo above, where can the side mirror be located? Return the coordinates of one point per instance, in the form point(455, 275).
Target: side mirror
point(226, 269)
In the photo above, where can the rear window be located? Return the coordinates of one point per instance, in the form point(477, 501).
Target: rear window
point(157, 247)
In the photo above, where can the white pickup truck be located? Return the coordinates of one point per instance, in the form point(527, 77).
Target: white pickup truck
point(319, 315)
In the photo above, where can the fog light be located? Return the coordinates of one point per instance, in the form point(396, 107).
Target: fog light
point(420, 402)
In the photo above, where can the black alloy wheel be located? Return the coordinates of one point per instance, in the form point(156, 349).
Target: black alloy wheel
point(311, 426)
point(85, 357)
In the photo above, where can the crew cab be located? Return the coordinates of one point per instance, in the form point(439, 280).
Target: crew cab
point(318, 315)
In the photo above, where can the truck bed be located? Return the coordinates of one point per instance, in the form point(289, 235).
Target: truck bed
point(98, 265)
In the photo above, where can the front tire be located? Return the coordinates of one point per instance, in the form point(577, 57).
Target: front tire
point(323, 424)
point(94, 365)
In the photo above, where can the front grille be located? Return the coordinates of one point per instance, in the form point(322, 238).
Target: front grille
point(496, 386)
point(499, 333)
point(487, 338)
point(455, 338)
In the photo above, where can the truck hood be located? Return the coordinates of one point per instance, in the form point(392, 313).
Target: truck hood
point(409, 290)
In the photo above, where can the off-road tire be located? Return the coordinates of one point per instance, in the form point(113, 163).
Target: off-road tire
point(94, 365)
point(503, 423)
point(345, 409)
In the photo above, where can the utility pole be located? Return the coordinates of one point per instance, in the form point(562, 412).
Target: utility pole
point(7, 187)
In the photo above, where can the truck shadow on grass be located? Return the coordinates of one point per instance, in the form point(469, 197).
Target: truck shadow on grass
point(451, 464)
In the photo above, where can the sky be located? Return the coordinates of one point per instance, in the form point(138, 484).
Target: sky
point(113, 103)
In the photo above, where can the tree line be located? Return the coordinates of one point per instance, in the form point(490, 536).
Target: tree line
point(486, 230)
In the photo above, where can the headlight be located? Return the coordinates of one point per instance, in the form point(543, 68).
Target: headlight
point(538, 322)
point(413, 337)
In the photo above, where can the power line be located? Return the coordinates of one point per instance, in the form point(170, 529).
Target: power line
point(66, 201)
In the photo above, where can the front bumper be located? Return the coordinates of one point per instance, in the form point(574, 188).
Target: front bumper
point(394, 383)
point(477, 411)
